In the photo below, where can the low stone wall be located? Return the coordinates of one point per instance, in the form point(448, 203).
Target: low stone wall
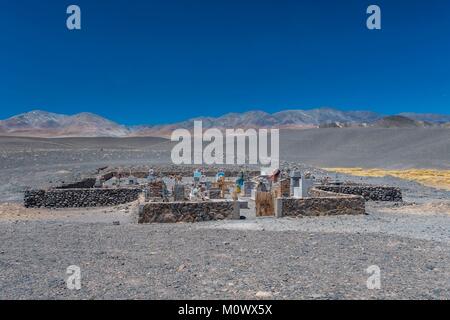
point(179, 192)
point(187, 211)
point(83, 184)
point(214, 193)
point(369, 192)
point(321, 203)
point(323, 206)
point(184, 171)
point(315, 192)
point(155, 189)
point(282, 189)
point(79, 198)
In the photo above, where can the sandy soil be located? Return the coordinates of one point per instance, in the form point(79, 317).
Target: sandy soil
point(17, 212)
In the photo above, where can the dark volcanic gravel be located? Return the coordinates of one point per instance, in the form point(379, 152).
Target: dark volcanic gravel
point(186, 262)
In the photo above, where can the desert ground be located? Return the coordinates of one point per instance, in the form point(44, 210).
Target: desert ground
point(255, 258)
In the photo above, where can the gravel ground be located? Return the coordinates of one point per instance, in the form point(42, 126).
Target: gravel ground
point(37, 163)
point(380, 219)
point(188, 262)
point(308, 258)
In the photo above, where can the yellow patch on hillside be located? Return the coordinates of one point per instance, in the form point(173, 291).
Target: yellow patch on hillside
point(428, 177)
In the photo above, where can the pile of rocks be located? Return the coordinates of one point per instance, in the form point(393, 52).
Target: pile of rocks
point(79, 198)
point(369, 192)
point(170, 212)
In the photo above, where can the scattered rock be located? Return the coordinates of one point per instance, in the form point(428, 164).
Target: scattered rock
point(263, 294)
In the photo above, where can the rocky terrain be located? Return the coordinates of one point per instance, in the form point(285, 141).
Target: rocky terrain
point(38, 162)
point(289, 258)
point(309, 258)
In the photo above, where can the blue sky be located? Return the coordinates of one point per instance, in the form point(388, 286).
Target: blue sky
point(161, 61)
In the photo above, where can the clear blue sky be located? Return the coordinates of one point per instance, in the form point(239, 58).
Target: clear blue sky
point(160, 61)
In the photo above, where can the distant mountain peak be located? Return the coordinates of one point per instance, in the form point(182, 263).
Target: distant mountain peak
point(428, 117)
point(37, 113)
point(42, 123)
point(400, 121)
point(47, 124)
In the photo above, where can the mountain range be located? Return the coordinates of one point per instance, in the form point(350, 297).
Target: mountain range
point(46, 124)
point(39, 123)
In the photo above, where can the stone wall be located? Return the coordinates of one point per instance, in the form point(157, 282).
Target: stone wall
point(85, 183)
point(79, 198)
point(323, 206)
point(315, 192)
point(369, 192)
point(321, 203)
point(156, 189)
point(187, 211)
point(179, 192)
point(282, 188)
point(176, 170)
point(188, 172)
point(214, 193)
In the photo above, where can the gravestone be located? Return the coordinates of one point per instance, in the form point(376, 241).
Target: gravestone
point(302, 191)
point(247, 188)
point(178, 192)
point(295, 180)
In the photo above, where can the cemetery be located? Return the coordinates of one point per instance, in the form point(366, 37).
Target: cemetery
point(195, 194)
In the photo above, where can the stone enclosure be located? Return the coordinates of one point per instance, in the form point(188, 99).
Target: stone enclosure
point(161, 205)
